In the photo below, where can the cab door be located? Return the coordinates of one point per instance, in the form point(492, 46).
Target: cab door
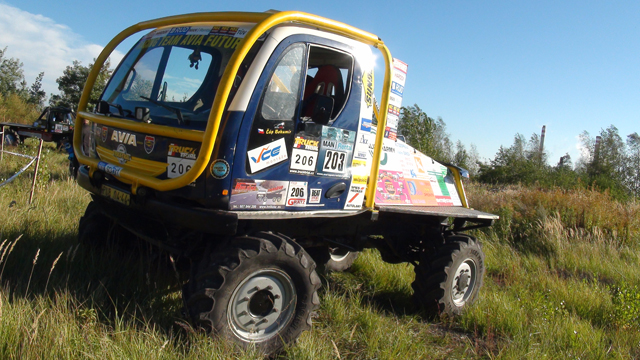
point(295, 158)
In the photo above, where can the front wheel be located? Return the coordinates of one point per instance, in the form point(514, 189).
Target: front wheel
point(448, 281)
point(258, 291)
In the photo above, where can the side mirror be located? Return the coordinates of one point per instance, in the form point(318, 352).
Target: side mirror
point(322, 109)
point(103, 107)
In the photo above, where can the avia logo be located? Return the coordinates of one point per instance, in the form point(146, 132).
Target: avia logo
point(123, 137)
point(266, 154)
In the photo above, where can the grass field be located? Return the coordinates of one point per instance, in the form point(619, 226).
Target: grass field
point(563, 275)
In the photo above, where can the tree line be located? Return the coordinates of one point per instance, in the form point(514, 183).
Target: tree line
point(611, 164)
point(21, 103)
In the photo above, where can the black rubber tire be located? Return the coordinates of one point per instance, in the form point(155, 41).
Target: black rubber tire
point(74, 165)
point(97, 231)
point(220, 277)
point(11, 138)
point(93, 228)
point(438, 276)
point(333, 259)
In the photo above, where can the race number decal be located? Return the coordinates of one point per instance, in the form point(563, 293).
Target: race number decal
point(336, 149)
point(297, 193)
point(303, 161)
point(178, 166)
point(304, 155)
point(335, 162)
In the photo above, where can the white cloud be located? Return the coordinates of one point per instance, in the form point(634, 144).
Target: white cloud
point(41, 44)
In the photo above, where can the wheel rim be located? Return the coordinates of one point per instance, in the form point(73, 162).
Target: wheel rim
point(338, 254)
point(464, 282)
point(262, 305)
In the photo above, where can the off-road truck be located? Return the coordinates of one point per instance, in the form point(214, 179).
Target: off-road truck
point(243, 143)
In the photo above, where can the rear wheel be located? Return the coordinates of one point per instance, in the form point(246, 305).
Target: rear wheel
point(258, 291)
point(448, 281)
point(333, 259)
point(11, 138)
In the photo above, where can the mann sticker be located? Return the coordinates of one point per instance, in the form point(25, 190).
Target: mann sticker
point(267, 155)
point(336, 148)
point(314, 196)
point(297, 194)
point(304, 155)
point(248, 194)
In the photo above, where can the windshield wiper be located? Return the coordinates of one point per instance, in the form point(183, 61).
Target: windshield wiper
point(174, 110)
point(117, 106)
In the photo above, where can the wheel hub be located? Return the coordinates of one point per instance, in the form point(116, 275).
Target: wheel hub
point(464, 282)
point(262, 305)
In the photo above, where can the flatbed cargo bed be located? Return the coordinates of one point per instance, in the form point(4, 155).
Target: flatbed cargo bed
point(445, 211)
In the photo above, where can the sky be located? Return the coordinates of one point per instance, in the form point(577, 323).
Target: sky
point(489, 69)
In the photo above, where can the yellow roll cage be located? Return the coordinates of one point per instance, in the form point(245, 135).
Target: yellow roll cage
point(264, 22)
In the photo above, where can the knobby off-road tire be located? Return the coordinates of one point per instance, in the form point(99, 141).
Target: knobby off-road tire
point(11, 138)
point(258, 291)
point(93, 229)
point(448, 281)
point(333, 259)
point(97, 231)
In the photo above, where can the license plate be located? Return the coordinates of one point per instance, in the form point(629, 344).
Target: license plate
point(115, 194)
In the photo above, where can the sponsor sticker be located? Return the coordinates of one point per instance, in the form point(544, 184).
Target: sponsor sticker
point(109, 168)
point(391, 188)
point(365, 125)
point(304, 155)
point(267, 155)
point(355, 198)
point(367, 85)
point(336, 148)
point(220, 169)
point(121, 154)
point(314, 196)
point(123, 137)
point(249, 194)
point(103, 135)
point(297, 194)
point(397, 88)
point(185, 152)
point(149, 143)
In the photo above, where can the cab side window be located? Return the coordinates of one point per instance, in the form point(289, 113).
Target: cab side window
point(281, 98)
point(276, 115)
point(328, 74)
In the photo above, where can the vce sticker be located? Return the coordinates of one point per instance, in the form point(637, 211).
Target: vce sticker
point(267, 155)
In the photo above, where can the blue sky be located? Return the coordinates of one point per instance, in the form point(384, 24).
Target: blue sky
point(490, 69)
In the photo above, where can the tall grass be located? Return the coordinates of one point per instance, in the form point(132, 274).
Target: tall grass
point(563, 270)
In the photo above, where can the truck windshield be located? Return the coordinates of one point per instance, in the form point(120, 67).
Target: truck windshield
point(174, 72)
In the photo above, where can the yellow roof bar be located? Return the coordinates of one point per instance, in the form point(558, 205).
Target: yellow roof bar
point(264, 22)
